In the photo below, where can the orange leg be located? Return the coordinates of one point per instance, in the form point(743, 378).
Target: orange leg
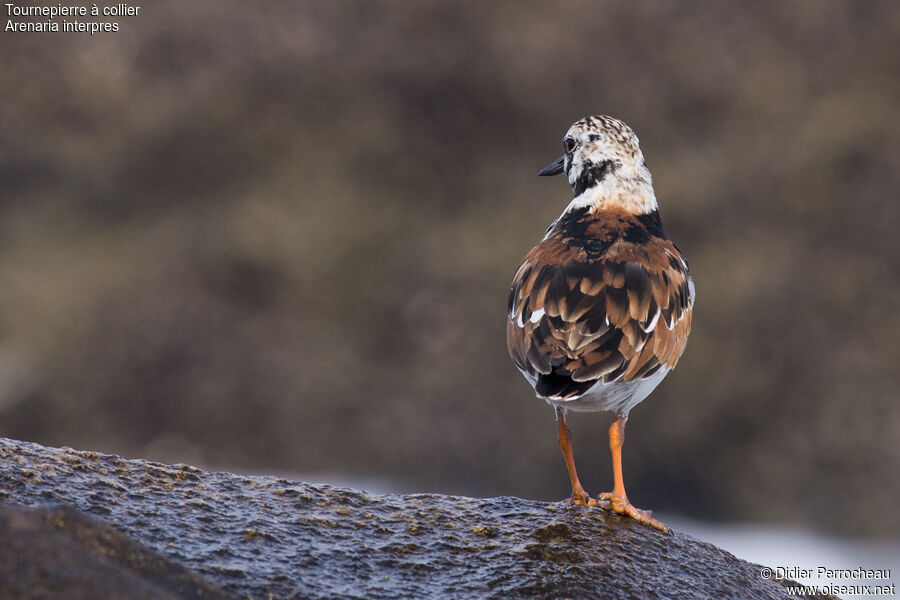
point(579, 496)
point(616, 500)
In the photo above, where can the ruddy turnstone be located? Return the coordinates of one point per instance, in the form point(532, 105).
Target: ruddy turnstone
point(600, 310)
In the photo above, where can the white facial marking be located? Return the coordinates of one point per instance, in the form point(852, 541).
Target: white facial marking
point(606, 168)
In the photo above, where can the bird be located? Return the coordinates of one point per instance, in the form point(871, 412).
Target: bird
point(600, 309)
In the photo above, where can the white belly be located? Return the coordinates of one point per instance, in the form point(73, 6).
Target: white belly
point(617, 396)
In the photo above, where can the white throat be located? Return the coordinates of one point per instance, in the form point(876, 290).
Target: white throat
point(631, 194)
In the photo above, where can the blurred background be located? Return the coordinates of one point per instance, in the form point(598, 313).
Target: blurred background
point(278, 238)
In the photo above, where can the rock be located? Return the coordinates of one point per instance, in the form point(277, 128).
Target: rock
point(265, 537)
point(61, 553)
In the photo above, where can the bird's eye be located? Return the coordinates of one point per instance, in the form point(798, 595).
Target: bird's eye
point(568, 144)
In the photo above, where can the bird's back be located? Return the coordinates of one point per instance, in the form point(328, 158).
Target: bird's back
point(600, 310)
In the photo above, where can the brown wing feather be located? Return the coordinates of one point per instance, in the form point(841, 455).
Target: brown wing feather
point(578, 319)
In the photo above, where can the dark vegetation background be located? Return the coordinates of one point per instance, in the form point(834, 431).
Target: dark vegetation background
point(278, 237)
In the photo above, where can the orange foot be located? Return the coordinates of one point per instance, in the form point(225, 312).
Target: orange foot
point(621, 505)
point(582, 498)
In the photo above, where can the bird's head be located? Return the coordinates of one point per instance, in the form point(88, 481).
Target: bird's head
point(605, 167)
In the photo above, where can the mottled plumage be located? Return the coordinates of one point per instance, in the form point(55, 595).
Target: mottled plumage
point(600, 309)
point(603, 300)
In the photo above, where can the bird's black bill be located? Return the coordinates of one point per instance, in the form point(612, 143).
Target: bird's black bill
point(554, 168)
